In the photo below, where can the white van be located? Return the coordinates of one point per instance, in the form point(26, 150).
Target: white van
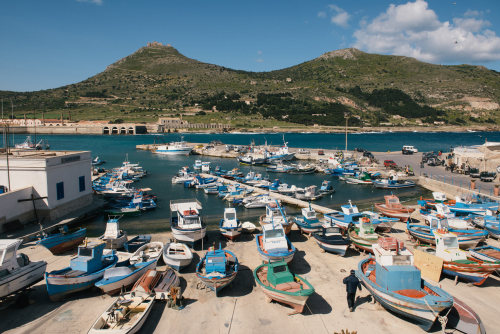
point(408, 149)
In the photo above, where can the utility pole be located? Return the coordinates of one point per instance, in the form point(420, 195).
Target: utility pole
point(346, 116)
point(7, 155)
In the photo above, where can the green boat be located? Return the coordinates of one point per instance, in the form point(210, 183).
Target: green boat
point(364, 236)
point(279, 284)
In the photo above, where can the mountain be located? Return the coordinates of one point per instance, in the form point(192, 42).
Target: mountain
point(374, 89)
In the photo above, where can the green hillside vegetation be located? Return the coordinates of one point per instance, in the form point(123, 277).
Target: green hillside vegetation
point(159, 81)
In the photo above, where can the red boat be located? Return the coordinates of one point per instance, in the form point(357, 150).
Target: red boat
point(394, 209)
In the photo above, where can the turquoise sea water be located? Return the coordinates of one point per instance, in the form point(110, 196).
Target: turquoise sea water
point(113, 149)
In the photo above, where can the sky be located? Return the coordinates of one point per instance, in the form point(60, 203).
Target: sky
point(50, 43)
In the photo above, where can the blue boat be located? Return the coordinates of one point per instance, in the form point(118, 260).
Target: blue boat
point(273, 245)
point(119, 278)
point(63, 240)
point(349, 215)
point(394, 281)
point(308, 222)
point(217, 269)
point(466, 238)
point(133, 244)
point(393, 183)
point(493, 227)
point(474, 208)
point(326, 187)
point(84, 270)
point(331, 240)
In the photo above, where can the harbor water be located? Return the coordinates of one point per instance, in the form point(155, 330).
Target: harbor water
point(114, 150)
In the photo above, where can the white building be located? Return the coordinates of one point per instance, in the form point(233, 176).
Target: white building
point(60, 182)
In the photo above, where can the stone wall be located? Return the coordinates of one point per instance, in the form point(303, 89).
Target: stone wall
point(451, 190)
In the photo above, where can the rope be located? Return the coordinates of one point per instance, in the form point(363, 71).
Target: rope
point(232, 315)
point(326, 329)
point(442, 319)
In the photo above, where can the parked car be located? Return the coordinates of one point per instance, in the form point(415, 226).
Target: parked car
point(408, 149)
point(474, 173)
point(487, 176)
point(321, 152)
point(359, 149)
point(368, 155)
point(389, 164)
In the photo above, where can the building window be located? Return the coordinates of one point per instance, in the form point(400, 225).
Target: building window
point(81, 182)
point(60, 190)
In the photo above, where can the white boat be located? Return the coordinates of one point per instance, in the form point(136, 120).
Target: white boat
point(308, 194)
point(443, 211)
point(17, 272)
point(177, 255)
point(120, 278)
point(230, 226)
point(26, 145)
point(185, 221)
point(197, 164)
point(127, 314)
point(287, 190)
point(147, 252)
point(248, 227)
point(175, 148)
point(259, 201)
point(275, 214)
point(205, 166)
point(113, 236)
point(273, 245)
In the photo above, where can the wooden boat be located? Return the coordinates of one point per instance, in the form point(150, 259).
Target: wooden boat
point(276, 214)
point(466, 238)
point(121, 277)
point(350, 215)
point(217, 269)
point(364, 236)
point(185, 221)
point(442, 211)
point(393, 208)
point(84, 270)
point(279, 284)
point(133, 244)
point(308, 222)
point(248, 227)
point(230, 226)
point(487, 253)
point(113, 236)
point(177, 255)
point(394, 281)
point(273, 244)
point(331, 240)
point(464, 319)
point(456, 262)
point(127, 314)
point(393, 183)
point(158, 281)
point(147, 252)
point(17, 272)
point(63, 240)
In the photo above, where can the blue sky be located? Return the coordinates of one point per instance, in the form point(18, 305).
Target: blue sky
point(50, 43)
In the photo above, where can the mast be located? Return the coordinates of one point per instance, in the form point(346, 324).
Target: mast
point(12, 119)
point(346, 116)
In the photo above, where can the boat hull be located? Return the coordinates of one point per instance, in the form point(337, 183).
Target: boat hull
point(176, 261)
point(189, 235)
point(474, 273)
point(274, 256)
point(62, 243)
point(231, 233)
point(330, 248)
point(116, 243)
point(423, 234)
point(115, 287)
point(22, 278)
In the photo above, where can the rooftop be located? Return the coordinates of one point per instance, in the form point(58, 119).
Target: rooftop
point(27, 154)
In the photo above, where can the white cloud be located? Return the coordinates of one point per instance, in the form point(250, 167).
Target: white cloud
point(322, 14)
point(414, 30)
point(97, 2)
point(340, 17)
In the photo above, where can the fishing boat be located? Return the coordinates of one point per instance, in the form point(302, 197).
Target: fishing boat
point(128, 313)
point(285, 189)
point(174, 148)
point(486, 253)
point(158, 281)
point(280, 168)
point(482, 208)
point(147, 252)
point(363, 178)
point(258, 201)
point(308, 223)
point(230, 226)
point(273, 244)
point(393, 208)
point(185, 221)
point(326, 188)
point(113, 236)
point(276, 214)
point(466, 238)
point(456, 262)
point(84, 270)
point(248, 227)
point(282, 154)
point(394, 281)
point(308, 194)
point(63, 239)
point(197, 164)
point(331, 240)
point(217, 269)
point(120, 278)
point(177, 255)
point(133, 244)
point(363, 236)
point(492, 226)
point(17, 272)
point(393, 183)
point(443, 211)
point(303, 169)
point(97, 161)
point(349, 215)
point(281, 285)
point(27, 144)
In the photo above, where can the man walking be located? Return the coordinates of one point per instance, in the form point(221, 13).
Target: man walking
point(351, 282)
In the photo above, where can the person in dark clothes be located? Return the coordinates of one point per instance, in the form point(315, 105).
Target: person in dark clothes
point(352, 283)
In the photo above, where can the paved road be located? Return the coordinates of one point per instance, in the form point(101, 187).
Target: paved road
point(437, 173)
